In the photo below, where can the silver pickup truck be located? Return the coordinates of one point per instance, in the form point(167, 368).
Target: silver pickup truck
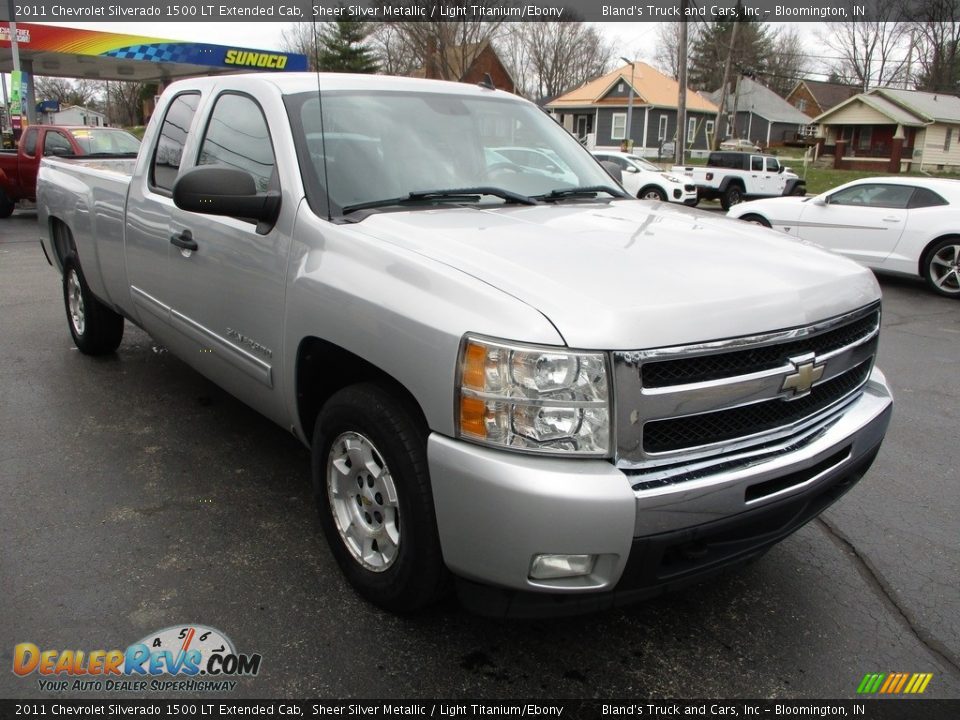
point(547, 394)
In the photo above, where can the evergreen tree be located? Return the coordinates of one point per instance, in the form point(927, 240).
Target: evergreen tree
point(708, 53)
point(342, 48)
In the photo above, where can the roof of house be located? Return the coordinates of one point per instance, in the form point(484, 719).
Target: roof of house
point(651, 87)
point(828, 94)
point(911, 108)
point(459, 59)
point(757, 98)
point(936, 106)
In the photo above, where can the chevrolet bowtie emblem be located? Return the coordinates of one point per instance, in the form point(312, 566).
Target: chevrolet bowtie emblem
point(801, 381)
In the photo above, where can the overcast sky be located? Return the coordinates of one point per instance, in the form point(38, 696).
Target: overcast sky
point(633, 40)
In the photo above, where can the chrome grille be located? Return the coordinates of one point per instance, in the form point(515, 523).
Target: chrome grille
point(665, 373)
point(708, 428)
point(704, 402)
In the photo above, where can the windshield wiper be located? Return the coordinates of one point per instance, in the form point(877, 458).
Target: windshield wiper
point(590, 191)
point(469, 194)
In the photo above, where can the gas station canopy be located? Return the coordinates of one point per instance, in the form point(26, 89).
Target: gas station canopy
point(76, 53)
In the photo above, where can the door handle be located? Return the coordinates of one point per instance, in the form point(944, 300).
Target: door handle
point(891, 219)
point(184, 241)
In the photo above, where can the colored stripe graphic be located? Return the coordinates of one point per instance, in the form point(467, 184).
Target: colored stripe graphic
point(894, 683)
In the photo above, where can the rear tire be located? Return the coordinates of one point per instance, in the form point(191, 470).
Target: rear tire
point(7, 205)
point(96, 329)
point(372, 489)
point(941, 267)
point(733, 195)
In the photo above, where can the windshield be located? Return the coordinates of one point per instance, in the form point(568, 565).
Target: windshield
point(643, 164)
point(383, 145)
point(104, 141)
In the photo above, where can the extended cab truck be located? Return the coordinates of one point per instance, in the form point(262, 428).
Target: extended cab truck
point(522, 384)
point(18, 168)
point(733, 177)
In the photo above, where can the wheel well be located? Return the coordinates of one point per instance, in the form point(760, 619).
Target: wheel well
point(651, 186)
point(324, 368)
point(754, 216)
point(922, 265)
point(62, 240)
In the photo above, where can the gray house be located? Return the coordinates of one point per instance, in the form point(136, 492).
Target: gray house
point(762, 116)
point(598, 110)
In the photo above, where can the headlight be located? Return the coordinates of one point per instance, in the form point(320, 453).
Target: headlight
point(539, 399)
point(672, 178)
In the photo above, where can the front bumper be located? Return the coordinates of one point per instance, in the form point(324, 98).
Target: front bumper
point(496, 510)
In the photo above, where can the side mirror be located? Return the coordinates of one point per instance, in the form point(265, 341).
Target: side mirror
point(223, 190)
point(782, 168)
point(614, 170)
point(58, 152)
point(819, 201)
point(631, 169)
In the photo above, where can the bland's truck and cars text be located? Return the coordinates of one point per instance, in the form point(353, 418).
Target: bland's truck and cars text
point(537, 390)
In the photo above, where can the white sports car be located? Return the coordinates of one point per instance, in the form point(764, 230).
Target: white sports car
point(904, 225)
point(646, 181)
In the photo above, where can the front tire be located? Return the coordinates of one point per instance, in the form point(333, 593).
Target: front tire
point(372, 489)
point(941, 267)
point(733, 195)
point(652, 193)
point(96, 329)
point(756, 220)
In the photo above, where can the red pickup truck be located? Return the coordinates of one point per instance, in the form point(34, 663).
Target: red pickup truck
point(18, 168)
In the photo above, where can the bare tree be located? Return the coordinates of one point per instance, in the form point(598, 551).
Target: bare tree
point(125, 101)
point(303, 38)
point(395, 55)
point(668, 46)
point(85, 93)
point(788, 63)
point(935, 32)
point(547, 59)
point(446, 49)
point(872, 52)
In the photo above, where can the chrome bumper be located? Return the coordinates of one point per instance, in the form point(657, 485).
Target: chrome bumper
point(496, 510)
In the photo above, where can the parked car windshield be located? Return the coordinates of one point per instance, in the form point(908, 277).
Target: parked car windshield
point(375, 146)
point(106, 141)
point(643, 164)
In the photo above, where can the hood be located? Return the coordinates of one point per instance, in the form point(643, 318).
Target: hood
point(634, 275)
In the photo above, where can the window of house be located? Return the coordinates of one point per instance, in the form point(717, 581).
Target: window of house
point(619, 131)
point(237, 136)
point(619, 87)
point(691, 130)
point(709, 127)
point(866, 135)
point(662, 131)
point(173, 135)
point(946, 140)
point(801, 105)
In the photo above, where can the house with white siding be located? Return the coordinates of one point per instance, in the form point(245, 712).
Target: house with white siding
point(893, 130)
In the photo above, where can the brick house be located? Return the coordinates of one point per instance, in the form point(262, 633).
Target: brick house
point(813, 98)
point(468, 63)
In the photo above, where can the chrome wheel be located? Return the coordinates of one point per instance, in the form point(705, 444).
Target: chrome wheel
point(944, 269)
point(363, 501)
point(75, 302)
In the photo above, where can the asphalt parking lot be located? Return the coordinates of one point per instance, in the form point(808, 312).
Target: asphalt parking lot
point(136, 495)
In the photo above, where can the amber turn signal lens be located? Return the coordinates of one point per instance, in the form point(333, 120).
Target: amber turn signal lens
point(472, 412)
point(474, 366)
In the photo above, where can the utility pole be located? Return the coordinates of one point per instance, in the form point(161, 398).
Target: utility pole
point(715, 143)
point(736, 102)
point(678, 146)
point(629, 133)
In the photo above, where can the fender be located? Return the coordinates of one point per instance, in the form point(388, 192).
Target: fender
point(795, 186)
point(731, 180)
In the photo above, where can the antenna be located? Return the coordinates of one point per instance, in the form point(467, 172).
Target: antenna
point(487, 82)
